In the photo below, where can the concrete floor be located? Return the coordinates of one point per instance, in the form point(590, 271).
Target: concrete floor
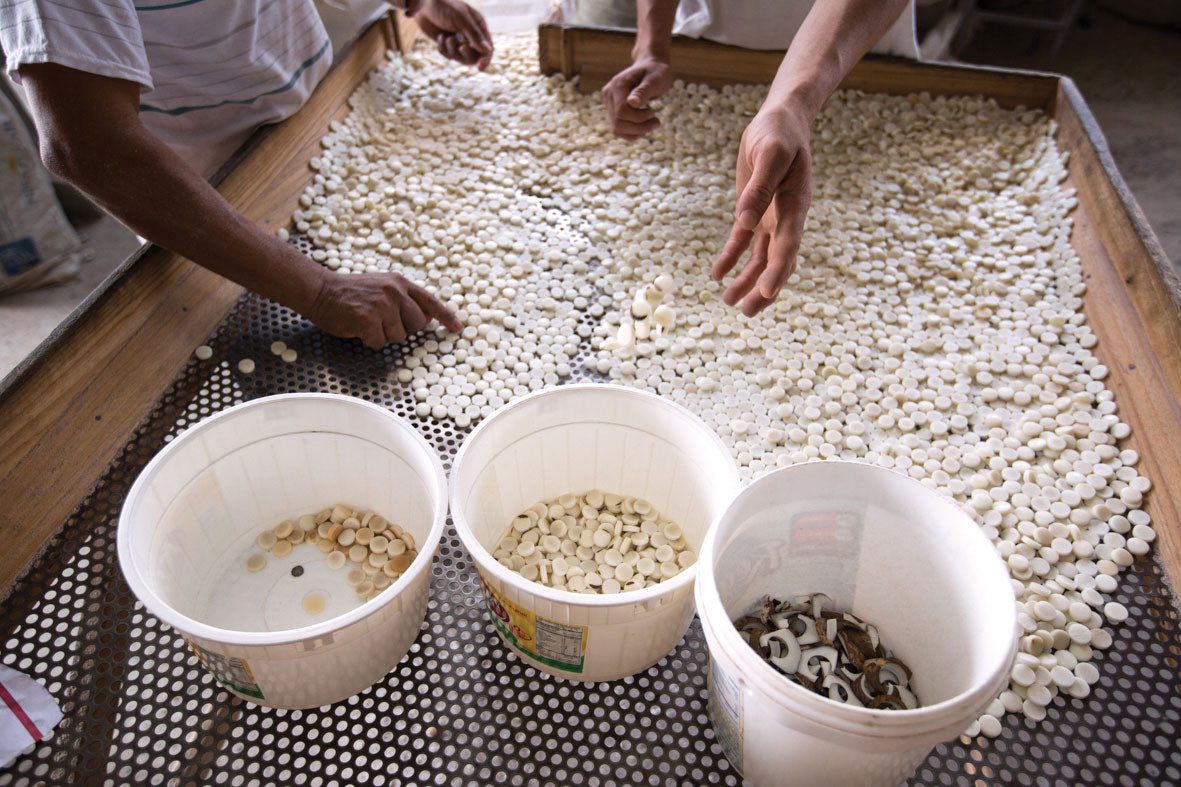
point(1126, 72)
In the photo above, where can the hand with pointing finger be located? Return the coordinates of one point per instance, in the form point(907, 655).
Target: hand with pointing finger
point(377, 308)
point(774, 183)
point(628, 93)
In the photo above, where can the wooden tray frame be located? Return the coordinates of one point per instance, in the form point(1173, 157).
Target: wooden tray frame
point(65, 413)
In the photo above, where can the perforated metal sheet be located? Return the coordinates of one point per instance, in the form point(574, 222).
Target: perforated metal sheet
point(140, 709)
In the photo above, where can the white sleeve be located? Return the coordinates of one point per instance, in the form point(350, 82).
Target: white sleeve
point(693, 18)
point(97, 36)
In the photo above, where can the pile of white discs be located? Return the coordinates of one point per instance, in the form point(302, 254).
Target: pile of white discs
point(376, 551)
point(934, 326)
point(596, 542)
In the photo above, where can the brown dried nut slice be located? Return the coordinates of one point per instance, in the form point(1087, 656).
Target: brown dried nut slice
point(887, 702)
point(827, 626)
point(358, 553)
point(267, 540)
point(379, 544)
point(336, 560)
point(323, 516)
point(366, 517)
point(402, 562)
point(355, 577)
point(297, 535)
point(352, 523)
point(283, 529)
point(407, 539)
point(281, 548)
point(909, 700)
point(256, 563)
point(754, 629)
point(388, 570)
point(364, 535)
point(861, 688)
point(768, 608)
point(818, 602)
point(817, 660)
point(378, 524)
point(340, 513)
point(856, 644)
point(885, 670)
point(839, 689)
point(364, 589)
point(346, 537)
point(308, 522)
point(324, 545)
point(785, 650)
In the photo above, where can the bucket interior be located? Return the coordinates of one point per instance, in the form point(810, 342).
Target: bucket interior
point(883, 547)
point(196, 519)
point(593, 437)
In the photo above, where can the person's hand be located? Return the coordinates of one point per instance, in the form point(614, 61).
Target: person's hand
point(628, 93)
point(774, 180)
point(377, 308)
point(457, 29)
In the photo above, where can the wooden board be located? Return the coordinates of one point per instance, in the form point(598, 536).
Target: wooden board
point(67, 410)
point(595, 55)
point(1133, 302)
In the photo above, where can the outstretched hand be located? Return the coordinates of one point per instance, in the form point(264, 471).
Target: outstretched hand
point(774, 183)
point(628, 93)
point(457, 29)
point(377, 308)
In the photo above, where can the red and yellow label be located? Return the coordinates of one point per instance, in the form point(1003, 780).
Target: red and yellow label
point(548, 642)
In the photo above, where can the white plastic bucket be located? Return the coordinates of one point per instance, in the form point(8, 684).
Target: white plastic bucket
point(896, 554)
point(574, 439)
point(192, 517)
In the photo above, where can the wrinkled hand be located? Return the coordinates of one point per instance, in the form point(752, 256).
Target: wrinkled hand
point(628, 93)
point(774, 179)
point(457, 29)
point(377, 308)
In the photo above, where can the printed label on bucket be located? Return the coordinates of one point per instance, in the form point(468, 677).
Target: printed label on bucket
point(551, 643)
point(725, 711)
point(230, 671)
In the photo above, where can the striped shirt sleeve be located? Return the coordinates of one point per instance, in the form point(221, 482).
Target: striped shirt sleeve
point(97, 36)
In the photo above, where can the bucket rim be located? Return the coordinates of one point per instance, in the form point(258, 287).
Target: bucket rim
point(483, 557)
point(197, 629)
point(927, 719)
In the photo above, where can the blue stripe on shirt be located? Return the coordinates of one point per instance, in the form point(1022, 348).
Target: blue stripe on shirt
point(164, 7)
point(284, 88)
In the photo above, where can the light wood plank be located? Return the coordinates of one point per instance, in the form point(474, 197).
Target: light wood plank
point(595, 55)
point(1133, 303)
point(67, 412)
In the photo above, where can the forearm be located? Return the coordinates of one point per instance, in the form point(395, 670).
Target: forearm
point(834, 36)
point(147, 186)
point(654, 28)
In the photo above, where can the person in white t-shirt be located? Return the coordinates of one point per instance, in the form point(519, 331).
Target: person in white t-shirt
point(774, 168)
point(137, 102)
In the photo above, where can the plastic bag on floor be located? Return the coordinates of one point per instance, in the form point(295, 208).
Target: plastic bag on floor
point(37, 244)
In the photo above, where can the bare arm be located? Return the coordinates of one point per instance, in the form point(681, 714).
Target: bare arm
point(774, 168)
point(91, 136)
point(649, 76)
